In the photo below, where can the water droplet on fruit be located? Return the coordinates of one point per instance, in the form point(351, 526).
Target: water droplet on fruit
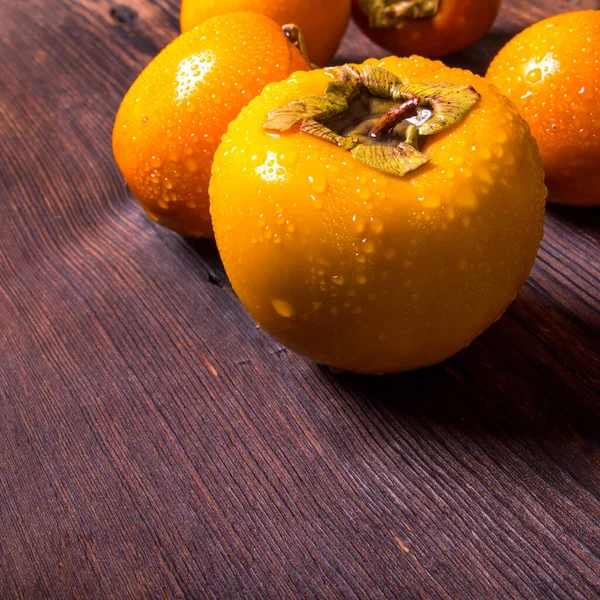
point(318, 183)
point(376, 225)
point(364, 193)
point(534, 75)
point(283, 308)
point(338, 279)
point(431, 201)
point(361, 279)
point(369, 247)
point(318, 202)
point(191, 165)
point(288, 158)
point(467, 199)
point(358, 223)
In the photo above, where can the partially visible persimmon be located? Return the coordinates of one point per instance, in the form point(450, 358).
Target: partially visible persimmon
point(551, 71)
point(431, 28)
point(323, 22)
point(172, 118)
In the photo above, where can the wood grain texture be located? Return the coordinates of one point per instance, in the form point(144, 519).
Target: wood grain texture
point(155, 444)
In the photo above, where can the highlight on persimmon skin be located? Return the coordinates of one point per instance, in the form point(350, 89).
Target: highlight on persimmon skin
point(449, 25)
point(172, 118)
point(551, 71)
point(323, 22)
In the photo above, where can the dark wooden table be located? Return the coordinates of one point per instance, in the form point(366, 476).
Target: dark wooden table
point(155, 444)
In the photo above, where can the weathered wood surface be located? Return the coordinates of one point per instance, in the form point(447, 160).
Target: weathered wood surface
point(155, 444)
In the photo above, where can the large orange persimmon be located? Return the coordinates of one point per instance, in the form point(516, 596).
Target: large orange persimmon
point(378, 217)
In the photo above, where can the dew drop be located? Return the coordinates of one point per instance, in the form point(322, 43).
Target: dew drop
point(364, 193)
point(318, 183)
point(358, 223)
point(534, 75)
point(283, 308)
point(376, 225)
point(467, 199)
point(288, 158)
point(191, 165)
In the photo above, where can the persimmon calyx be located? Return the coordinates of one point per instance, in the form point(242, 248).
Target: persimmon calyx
point(392, 14)
point(378, 118)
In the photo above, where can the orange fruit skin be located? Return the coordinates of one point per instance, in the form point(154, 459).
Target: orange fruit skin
point(172, 118)
point(551, 71)
point(364, 271)
point(323, 22)
point(458, 24)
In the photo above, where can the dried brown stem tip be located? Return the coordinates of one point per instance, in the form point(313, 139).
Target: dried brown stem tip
point(386, 123)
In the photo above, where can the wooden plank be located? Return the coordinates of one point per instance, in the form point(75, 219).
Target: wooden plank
point(154, 443)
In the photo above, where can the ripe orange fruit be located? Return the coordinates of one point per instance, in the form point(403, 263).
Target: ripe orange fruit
point(551, 71)
point(172, 118)
point(378, 254)
point(323, 22)
point(431, 28)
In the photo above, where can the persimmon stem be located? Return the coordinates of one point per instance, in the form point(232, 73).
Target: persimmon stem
point(397, 114)
point(294, 34)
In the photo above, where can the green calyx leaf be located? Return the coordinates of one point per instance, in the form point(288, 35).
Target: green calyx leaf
point(393, 14)
point(378, 118)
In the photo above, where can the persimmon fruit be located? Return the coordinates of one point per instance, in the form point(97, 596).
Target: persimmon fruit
point(551, 71)
point(431, 28)
point(323, 22)
point(378, 217)
point(172, 118)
